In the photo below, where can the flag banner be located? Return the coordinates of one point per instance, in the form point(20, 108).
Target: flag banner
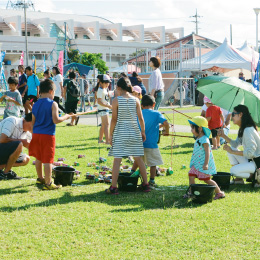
point(21, 58)
point(256, 78)
point(60, 62)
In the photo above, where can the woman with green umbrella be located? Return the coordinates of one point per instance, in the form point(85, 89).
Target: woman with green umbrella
point(244, 163)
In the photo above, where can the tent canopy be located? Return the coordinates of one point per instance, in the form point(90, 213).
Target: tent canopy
point(249, 51)
point(83, 69)
point(128, 69)
point(222, 59)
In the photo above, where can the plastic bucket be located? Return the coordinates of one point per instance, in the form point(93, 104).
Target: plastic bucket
point(127, 183)
point(202, 193)
point(222, 179)
point(63, 175)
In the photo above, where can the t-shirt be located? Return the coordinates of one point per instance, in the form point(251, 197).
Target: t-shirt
point(69, 97)
point(214, 112)
point(22, 79)
point(11, 109)
point(198, 156)
point(12, 127)
point(156, 81)
point(32, 83)
point(42, 110)
point(57, 80)
point(103, 94)
point(152, 120)
point(85, 83)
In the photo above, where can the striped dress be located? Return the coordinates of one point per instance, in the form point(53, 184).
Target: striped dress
point(127, 139)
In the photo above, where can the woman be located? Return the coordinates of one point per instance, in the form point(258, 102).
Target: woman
point(136, 80)
point(58, 81)
point(244, 163)
point(156, 82)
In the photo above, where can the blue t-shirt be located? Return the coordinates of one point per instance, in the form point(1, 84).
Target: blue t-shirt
point(42, 110)
point(22, 79)
point(152, 120)
point(32, 83)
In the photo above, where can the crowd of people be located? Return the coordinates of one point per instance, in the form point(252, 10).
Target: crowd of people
point(133, 130)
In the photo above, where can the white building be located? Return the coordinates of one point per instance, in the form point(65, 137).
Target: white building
point(86, 33)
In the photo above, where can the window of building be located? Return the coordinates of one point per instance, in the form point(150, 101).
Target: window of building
point(76, 36)
point(85, 37)
point(37, 35)
point(1, 32)
point(109, 38)
point(28, 33)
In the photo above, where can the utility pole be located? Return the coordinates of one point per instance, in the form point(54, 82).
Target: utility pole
point(196, 16)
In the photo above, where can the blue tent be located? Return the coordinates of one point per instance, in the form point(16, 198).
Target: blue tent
point(83, 69)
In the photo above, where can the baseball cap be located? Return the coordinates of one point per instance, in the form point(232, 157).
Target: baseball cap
point(105, 78)
point(137, 89)
point(206, 100)
point(201, 121)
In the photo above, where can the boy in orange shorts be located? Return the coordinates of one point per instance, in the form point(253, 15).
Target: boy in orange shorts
point(45, 116)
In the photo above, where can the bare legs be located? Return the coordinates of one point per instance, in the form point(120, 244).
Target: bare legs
point(47, 171)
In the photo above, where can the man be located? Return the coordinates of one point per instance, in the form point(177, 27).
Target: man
point(11, 144)
point(241, 76)
point(33, 84)
point(86, 89)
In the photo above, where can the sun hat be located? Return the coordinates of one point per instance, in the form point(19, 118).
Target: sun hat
point(201, 121)
point(206, 100)
point(137, 89)
point(105, 78)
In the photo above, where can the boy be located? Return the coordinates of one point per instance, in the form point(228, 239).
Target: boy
point(22, 86)
point(33, 88)
point(42, 147)
point(152, 119)
point(13, 99)
point(215, 118)
point(70, 101)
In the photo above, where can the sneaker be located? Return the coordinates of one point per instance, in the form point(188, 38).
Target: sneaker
point(112, 190)
point(220, 195)
point(2, 175)
point(52, 186)
point(11, 175)
point(152, 183)
point(146, 187)
point(237, 182)
point(40, 181)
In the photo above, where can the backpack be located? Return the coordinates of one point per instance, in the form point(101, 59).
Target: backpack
point(74, 89)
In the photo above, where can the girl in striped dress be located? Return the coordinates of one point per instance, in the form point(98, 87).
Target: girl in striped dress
point(125, 136)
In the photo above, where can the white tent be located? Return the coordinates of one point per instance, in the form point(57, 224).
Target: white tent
point(250, 52)
point(222, 59)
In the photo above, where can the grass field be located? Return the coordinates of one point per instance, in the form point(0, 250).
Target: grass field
point(82, 222)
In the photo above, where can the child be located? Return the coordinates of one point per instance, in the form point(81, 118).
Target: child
point(13, 99)
point(215, 118)
point(103, 107)
point(42, 147)
point(152, 119)
point(22, 86)
point(202, 162)
point(137, 92)
point(125, 135)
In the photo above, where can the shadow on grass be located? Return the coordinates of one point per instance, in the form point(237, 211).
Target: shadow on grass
point(16, 189)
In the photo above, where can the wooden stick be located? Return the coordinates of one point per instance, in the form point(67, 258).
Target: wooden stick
point(181, 113)
point(85, 113)
point(180, 135)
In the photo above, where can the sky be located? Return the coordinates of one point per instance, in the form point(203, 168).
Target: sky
point(214, 23)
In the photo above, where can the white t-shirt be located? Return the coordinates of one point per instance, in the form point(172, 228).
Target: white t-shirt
point(57, 80)
point(156, 81)
point(103, 94)
point(224, 112)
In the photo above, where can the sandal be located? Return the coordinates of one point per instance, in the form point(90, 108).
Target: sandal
point(220, 195)
point(69, 124)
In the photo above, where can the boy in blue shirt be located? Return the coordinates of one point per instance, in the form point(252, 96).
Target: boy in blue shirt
point(152, 119)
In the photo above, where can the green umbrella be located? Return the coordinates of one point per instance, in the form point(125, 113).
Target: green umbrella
point(228, 92)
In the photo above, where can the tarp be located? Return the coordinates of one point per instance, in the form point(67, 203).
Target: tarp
point(128, 69)
point(83, 69)
point(222, 59)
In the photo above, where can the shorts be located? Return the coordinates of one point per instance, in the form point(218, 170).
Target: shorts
point(71, 107)
point(152, 157)
point(42, 147)
point(103, 112)
point(7, 149)
point(32, 98)
point(214, 132)
point(200, 175)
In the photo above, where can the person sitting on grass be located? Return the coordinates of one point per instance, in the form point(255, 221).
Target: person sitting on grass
point(125, 135)
point(152, 120)
point(45, 115)
point(13, 99)
point(71, 102)
point(202, 164)
point(216, 121)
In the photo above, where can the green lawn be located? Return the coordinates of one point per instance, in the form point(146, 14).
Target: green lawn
point(82, 222)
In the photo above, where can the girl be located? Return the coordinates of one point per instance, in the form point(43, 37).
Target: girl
point(244, 163)
point(202, 163)
point(58, 81)
point(137, 92)
point(103, 107)
point(47, 74)
point(156, 82)
point(126, 138)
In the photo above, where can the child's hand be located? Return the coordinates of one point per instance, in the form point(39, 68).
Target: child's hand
point(227, 148)
point(221, 132)
point(205, 167)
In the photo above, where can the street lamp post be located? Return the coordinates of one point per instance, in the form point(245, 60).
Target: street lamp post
point(26, 37)
point(257, 10)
